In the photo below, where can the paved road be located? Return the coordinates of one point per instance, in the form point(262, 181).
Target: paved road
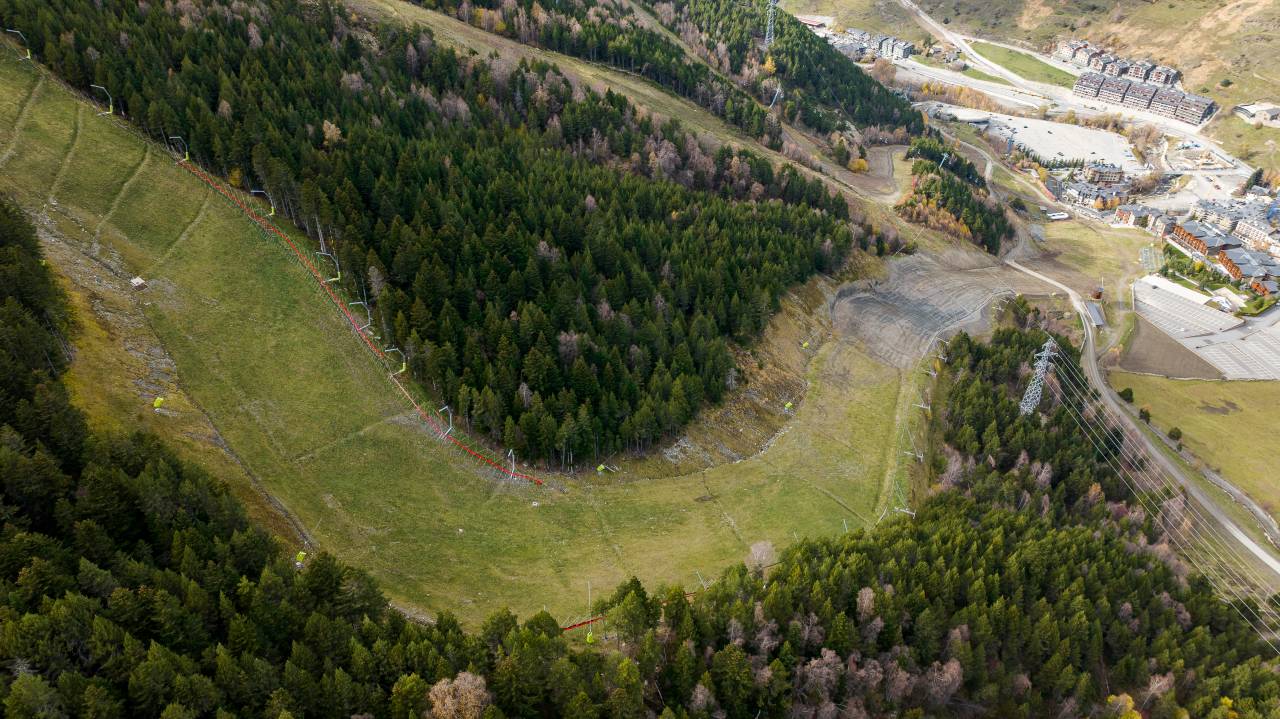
point(1006, 94)
point(1090, 364)
point(1062, 96)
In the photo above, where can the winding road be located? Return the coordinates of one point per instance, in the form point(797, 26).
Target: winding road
point(1089, 362)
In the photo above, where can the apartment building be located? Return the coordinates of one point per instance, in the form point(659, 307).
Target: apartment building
point(1257, 232)
point(1220, 215)
point(1103, 172)
point(1101, 62)
point(1088, 84)
point(1165, 102)
point(1113, 90)
point(1119, 68)
point(1164, 75)
point(1139, 95)
point(1194, 109)
point(1140, 70)
point(1243, 264)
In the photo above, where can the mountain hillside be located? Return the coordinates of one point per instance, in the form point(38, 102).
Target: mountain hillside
point(821, 87)
point(544, 260)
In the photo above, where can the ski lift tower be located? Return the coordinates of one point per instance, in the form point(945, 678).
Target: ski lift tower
point(768, 30)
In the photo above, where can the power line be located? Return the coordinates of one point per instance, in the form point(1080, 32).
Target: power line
point(1175, 533)
point(1154, 474)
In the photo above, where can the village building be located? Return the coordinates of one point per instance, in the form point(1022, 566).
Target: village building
point(1066, 51)
point(1194, 109)
point(1165, 102)
point(1088, 194)
point(1103, 172)
point(1257, 233)
point(1113, 90)
point(1135, 215)
point(1258, 193)
point(1088, 84)
point(1164, 75)
point(1140, 70)
point(1198, 239)
point(1101, 62)
point(1264, 113)
point(1086, 55)
point(1139, 95)
point(1161, 225)
point(1244, 264)
point(1220, 215)
point(1119, 68)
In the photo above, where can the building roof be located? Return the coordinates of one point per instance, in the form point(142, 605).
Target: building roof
point(1198, 229)
point(1115, 83)
point(1248, 257)
point(1219, 209)
point(1196, 101)
point(1143, 90)
point(1091, 79)
point(1095, 314)
point(1138, 210)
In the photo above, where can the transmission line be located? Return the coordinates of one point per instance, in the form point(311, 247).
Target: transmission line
point(1240, 603)
point(1156, 474)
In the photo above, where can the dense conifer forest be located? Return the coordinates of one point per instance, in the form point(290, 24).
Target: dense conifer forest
point(563, 270)
point(948, 156)
point(823, 96)
point(612, 33)
point(134, 586)
point(942, 200)
point(823, 88)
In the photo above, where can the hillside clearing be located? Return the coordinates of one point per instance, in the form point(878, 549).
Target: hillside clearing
point(293, 393)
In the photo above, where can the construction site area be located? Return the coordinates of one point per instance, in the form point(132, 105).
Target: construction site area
point(923, 299)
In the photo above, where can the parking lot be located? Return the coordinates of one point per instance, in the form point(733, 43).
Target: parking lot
point(1240, 349)
point(1060, 141)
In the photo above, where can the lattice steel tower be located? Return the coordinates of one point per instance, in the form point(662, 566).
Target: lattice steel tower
point(1044, 359)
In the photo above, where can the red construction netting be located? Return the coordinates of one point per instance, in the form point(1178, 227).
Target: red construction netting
point(267, 226)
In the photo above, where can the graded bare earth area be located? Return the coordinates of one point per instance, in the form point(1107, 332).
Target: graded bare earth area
point(925, 297)
point(264, 374)
point(1151, 351)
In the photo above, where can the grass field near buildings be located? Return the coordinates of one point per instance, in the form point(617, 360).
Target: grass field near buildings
point(1228, 425)
point(1100, 255)
point(1257, 146)
point(1027, 66)
point(306, 409)
point(977, 74)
